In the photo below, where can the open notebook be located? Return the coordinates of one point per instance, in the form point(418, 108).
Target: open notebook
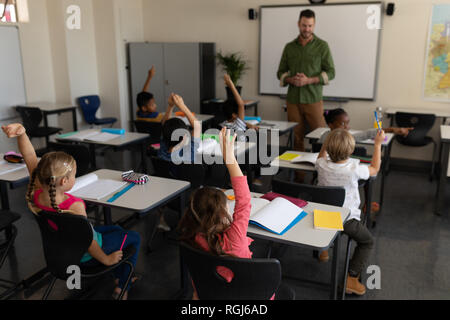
point(89, 135)
point(297, 158)
point(277, 216)
point(91, 187)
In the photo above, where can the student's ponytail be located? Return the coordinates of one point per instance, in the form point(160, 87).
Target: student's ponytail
point(30, 190)
point(52, 194)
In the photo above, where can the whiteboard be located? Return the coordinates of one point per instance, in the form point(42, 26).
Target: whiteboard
point(12, 84)
point(353, 45)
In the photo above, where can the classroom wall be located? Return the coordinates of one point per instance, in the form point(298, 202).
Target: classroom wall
point(401, 61)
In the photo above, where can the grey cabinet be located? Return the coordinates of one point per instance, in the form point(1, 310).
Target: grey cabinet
point(187, 69)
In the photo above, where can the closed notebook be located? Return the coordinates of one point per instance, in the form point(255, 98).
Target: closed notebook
point(326, 220)
point(277, 216)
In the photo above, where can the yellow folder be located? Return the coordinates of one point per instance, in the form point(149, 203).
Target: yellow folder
point(288, 156)
point(325, 220)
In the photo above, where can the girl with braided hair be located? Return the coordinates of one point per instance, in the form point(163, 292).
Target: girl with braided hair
point(51, 179)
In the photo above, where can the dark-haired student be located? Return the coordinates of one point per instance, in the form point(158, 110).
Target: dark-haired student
point(146, 101)
point(171, 149)
point(339, 119)
point(234, 110)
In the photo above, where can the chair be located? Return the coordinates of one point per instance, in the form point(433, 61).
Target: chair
point(31, 118)
point(254, 279)
point(79, 152)
point(65, 238)
point(89, 105)
point(422, 124)
point(333, 196)
point(359, 151)
point(154, 129)
point(7, 219)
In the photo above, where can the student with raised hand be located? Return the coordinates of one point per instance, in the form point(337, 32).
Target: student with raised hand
point(338, 118)
point(146, 101)
point(208, 225)
point(335, 168)
point(234, 110)
point(51, 179)
point(173, 149)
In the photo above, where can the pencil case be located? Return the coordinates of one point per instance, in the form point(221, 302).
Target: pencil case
point(13, 157)
point(133, 177)
point(114, 131)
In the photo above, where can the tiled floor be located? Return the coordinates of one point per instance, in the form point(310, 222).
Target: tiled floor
point(411, 248)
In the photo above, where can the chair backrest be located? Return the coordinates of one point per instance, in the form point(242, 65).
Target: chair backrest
point(333, 196)
point(79, 152)
point(65, 238)
point(31, 118)
point(194, 173)
point(89, 105)
point(254, 279)
point(359, 151)
point(422, 123)
point(154, 129)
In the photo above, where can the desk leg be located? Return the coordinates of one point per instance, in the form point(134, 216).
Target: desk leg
point(442, 180)
point(143, 160)
point(184, 274)
point(368, 195)
point(107, 216)
point(74, 120)
point(92, 155)
point(4, 195)
point(334, 268)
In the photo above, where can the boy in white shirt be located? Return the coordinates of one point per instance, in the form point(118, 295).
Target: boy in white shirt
point(339, 170)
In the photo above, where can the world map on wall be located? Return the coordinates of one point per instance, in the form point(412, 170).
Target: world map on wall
point(437, 69)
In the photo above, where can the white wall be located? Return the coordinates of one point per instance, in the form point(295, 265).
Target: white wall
point(401, 63)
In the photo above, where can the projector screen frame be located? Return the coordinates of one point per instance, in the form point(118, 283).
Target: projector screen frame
point(325, 98)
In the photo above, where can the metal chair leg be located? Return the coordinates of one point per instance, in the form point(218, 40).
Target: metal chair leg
point(49, 288)
point(347, 262)
point(130, 274)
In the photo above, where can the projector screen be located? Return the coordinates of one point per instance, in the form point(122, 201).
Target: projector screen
point(352, 41)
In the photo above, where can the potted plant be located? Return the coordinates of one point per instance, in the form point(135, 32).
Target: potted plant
point(235, 66)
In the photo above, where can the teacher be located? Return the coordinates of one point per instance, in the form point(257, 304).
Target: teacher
point(306, 65)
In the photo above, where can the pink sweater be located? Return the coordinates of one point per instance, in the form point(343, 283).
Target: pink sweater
point(235, 240)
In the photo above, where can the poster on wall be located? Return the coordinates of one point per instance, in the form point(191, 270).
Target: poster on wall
point(437, 63)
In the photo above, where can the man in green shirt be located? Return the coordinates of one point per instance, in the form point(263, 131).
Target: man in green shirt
point(306, 65)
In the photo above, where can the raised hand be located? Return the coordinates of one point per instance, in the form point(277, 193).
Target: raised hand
point(228, 82)
point(227, 145)
point(151, 72)
point(13, 130)
point(379, 139)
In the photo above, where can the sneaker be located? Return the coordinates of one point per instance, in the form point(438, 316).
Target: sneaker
point(163, 224)
point(323, 257)
point(354, 286)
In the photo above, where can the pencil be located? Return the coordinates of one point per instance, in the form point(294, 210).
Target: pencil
point(123, 242)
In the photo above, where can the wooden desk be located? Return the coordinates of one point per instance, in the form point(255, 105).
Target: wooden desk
point(126, 139)
point(304, 235)
point(49, 108)
point(445, 170)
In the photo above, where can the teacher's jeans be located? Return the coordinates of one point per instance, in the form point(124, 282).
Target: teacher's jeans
point(311, 113)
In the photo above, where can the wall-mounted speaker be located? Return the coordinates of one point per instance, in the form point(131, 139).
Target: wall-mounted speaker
point(252, 14)
point(390, 9)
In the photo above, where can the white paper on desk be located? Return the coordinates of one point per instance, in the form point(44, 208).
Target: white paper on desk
point(101, 137)
point(82, 135)
point(6, 167)
point(91, 187)
point(306, 157)
point(207, 146)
